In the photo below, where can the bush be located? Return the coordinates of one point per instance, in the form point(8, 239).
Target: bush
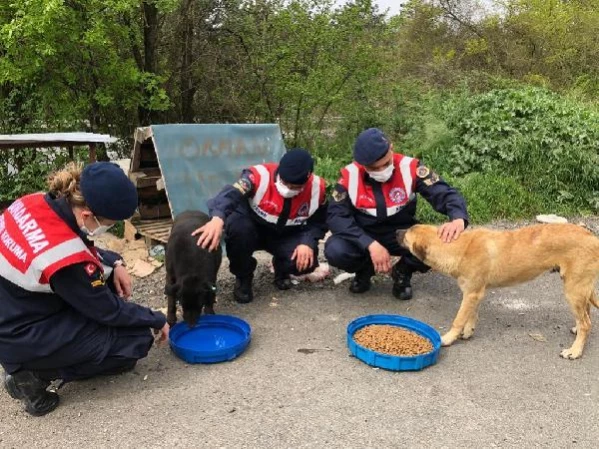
point(546, 142)
point(35, 166)
point(513, 152)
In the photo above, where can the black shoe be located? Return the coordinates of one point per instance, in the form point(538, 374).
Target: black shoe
point(31, 390)
point(282, 283)
point(402, 278)
point(361, 281)
point(243, 289)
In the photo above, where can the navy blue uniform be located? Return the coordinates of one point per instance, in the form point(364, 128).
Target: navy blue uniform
point(80, 330)
point(246, 232)
point(353, 231)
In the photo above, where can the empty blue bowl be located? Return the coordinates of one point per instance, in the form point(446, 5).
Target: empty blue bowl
point(394, 362)
point(215, 338)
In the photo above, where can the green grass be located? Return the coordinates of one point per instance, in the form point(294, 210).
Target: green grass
point(492, 197)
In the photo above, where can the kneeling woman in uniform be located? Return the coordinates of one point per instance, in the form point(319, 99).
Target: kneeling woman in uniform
point(62, 309)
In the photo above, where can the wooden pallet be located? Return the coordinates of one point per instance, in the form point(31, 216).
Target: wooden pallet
point(158, 230)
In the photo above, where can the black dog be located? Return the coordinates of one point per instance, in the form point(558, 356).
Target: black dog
point(190, 270)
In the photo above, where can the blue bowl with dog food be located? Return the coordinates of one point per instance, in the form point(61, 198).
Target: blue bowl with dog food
point(394, 362)
point(214, 339)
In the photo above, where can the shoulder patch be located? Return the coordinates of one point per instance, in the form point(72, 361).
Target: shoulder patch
point(432, 179)
point(90, 269)
point(96, 276)
point(422, 171)
point(243, 185)
point(339, 196)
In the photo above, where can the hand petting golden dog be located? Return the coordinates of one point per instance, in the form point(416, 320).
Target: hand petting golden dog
point(482, 258)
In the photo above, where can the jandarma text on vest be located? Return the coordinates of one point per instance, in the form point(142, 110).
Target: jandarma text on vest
point(34, 236)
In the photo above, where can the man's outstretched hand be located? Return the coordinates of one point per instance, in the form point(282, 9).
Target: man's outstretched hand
point(211, 233)
point(452, 230)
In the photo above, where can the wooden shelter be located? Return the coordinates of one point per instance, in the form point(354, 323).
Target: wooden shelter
point(179, 167)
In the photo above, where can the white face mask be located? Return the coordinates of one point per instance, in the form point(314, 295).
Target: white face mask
point(101, 229)
point(382, 175)
point(285, 191)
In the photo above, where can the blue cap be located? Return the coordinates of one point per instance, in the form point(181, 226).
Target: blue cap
point(370, 146)
point(108, 191)
point(296, 166)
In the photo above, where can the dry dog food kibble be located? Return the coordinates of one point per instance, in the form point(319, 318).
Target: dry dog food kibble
point(392, 340)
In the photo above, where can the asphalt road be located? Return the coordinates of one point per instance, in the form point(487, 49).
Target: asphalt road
point(503, 388)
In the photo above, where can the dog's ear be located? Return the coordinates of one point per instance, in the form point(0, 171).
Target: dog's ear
point(419, 250)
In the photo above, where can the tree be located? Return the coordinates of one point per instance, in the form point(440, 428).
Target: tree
point(70, 56)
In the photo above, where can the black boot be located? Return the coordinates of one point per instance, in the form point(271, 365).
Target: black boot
point(243, 289)
point(31, 390)
point(402, 278)
point(361, 281)
point(282, 281)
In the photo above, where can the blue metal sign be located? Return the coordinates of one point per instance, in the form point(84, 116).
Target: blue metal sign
point(197, 161)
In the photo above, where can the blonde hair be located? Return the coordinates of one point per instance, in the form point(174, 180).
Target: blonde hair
point(65, 184)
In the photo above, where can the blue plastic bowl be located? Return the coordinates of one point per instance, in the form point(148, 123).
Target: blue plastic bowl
point(215, 338)
point(394, 362)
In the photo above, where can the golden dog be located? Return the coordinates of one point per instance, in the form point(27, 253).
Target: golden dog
point(482, 258)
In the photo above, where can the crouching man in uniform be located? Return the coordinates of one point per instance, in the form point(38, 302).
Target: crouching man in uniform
point(62, 309)
point(375, 196)
point(280, 208)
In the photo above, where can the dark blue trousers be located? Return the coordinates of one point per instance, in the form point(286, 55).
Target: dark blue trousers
point(104, 351)
point(96, 350)
point(348, 256)
point(244, 236)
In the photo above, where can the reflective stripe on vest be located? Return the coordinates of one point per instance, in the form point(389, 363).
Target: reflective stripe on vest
point(262, 188)
point(30, 280)
point(354, 182)
point(37, 268)
point(265, 182)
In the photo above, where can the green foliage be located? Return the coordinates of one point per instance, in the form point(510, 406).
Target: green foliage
point(547, 142)
point(328, 168)
point(492, 196)
point(76, 60)
point(448, 82)
point(30, 179)
point(310, 60)
point(25, 171)
point(118, 229)
point(513, 152)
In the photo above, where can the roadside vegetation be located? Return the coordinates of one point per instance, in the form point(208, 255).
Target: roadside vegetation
point(501, 101)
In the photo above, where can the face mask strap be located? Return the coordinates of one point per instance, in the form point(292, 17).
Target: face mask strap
point(99, 230)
